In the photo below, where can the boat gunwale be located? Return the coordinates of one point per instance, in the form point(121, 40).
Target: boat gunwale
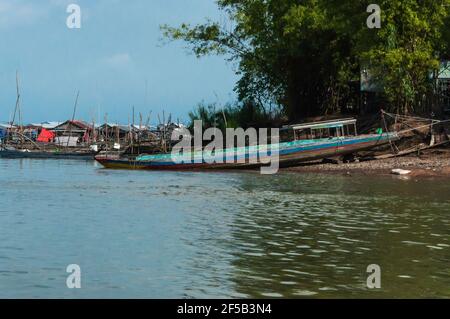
point(116, 161)
point(282, 147)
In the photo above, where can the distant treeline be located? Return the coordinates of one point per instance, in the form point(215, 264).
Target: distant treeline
point(304, 58)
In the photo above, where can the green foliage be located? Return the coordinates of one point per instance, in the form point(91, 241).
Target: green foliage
point(232, 116)
point(407, 49)
point(306, 55)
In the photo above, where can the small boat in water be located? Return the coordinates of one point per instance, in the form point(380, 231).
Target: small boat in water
point(13, 153)
point(310, 142)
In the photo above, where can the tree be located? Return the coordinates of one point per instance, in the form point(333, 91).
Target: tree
point(407, 49)
point(305, 55)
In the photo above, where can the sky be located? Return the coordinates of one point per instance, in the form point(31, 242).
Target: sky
point(117, 60)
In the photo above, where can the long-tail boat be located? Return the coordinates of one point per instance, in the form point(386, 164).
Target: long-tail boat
point(310, 142)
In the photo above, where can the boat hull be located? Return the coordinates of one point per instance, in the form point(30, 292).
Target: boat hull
point(290, 154)
point(15, 154)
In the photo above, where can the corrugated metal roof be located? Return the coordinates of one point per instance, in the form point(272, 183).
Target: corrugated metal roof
point(47, 125)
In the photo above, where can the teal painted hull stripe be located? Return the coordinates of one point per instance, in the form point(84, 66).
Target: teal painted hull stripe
point(147, 160)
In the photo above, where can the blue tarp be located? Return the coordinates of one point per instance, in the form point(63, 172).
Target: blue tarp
point(2, 133)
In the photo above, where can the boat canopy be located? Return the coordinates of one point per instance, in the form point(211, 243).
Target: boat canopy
point(324, 129)
point(321, 125)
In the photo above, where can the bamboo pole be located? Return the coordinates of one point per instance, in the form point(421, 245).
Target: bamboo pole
point(17, 99)
point(132, 136)
point(10, 128)
point(106, 132)
point(118, 133)
point(73, 118)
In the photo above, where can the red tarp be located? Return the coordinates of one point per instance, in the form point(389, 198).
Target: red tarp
point(45, 136)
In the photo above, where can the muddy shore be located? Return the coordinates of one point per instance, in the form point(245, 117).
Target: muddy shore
point(431, 163)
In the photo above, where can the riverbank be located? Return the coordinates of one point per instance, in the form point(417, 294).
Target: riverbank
point(431, 163)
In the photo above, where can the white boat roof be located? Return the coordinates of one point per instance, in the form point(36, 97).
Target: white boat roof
point(5, 125)
point(47, 125)
point(320, 125)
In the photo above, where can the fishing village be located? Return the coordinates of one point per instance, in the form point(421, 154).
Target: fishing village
point(366, 117)
point(276, 149)
point(393, 143)
point(422, 149)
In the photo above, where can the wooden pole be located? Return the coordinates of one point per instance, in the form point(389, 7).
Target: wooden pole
point(17, 104)
point(147, 123)
point(94, 134)
point(133, 119)
point(129, 131)
point(132, 130)
point(164, 130)
point(161, 132)
point(139, 132)
point(118, 133)
point(224, 117)
point(106, 132)
point(17, 98)
point(73, 118)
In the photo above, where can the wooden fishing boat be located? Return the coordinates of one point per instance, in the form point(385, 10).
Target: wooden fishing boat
point(10, 148)
point(12, 153)
point(323, 140)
